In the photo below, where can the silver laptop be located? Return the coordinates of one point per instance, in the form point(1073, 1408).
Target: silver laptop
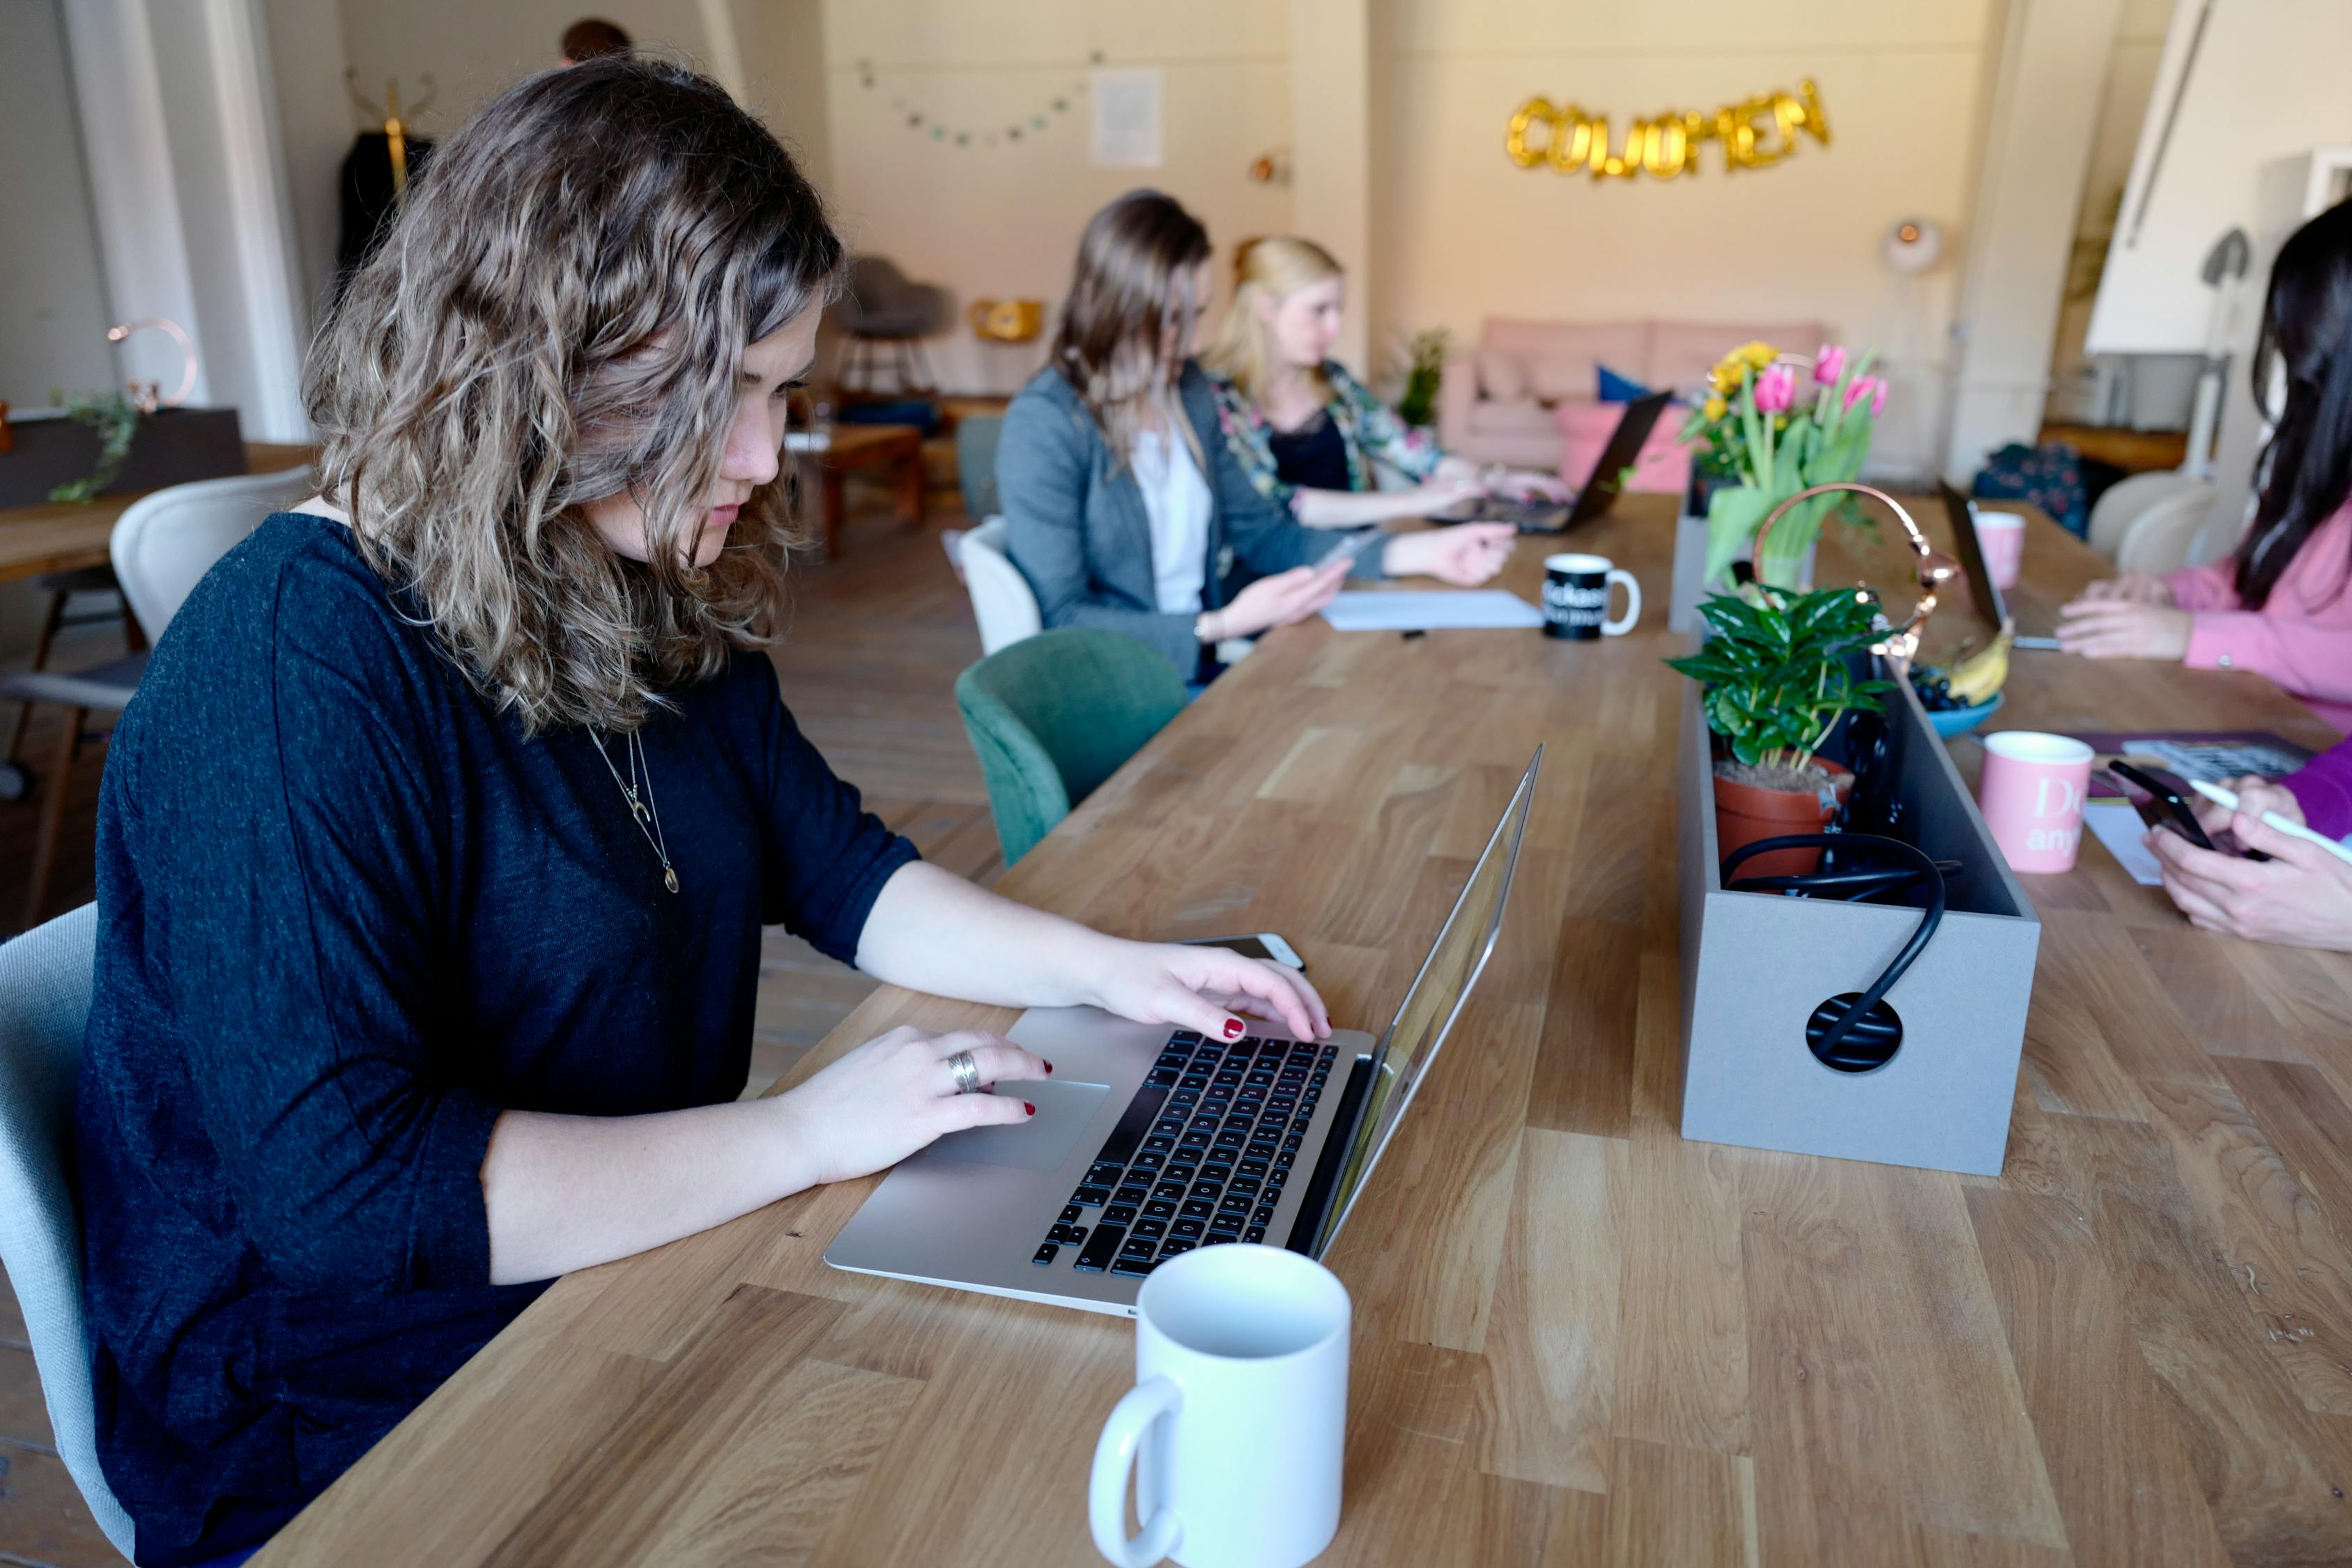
point(1149, 1142)
point(1991, 603)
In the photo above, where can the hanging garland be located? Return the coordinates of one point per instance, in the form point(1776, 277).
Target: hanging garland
point(920, 121)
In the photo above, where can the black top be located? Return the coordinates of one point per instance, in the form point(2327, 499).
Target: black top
point(347, 914)
point(1312, 457)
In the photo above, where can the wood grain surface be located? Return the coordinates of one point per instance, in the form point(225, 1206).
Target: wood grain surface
point(1579, 1339)
point(58, 536)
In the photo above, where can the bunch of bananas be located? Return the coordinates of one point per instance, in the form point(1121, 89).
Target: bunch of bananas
point(1977, 679)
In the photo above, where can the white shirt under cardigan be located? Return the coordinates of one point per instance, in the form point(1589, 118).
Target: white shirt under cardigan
point(1176, 501)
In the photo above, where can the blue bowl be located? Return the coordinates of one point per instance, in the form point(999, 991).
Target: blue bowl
point(1954, 721)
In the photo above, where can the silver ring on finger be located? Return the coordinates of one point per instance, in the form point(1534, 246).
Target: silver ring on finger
point(966, 1071)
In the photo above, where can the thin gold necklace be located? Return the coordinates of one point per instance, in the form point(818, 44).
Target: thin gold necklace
point(640, 811)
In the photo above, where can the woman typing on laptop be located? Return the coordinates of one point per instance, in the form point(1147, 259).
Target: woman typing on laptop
point(2280, 606)
point(1307, 432)
point(434, 855)
point(1127, 509)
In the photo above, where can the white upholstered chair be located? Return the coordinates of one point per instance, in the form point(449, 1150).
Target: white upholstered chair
point(45, 989)
point(1002, 599)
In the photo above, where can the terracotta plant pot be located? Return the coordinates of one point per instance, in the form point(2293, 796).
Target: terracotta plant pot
point(1745, 812)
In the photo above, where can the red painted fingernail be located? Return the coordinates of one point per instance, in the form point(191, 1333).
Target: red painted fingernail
point(1029, 1108)
point(1233, 1028)
point(1049, 1069)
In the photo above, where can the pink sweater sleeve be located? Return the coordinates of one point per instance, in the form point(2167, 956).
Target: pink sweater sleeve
point(2310, 658)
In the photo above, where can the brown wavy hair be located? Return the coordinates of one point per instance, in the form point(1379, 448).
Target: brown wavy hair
point(558, 315)
point(1131, 299)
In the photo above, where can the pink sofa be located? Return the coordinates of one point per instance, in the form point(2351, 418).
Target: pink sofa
point(1499, 403)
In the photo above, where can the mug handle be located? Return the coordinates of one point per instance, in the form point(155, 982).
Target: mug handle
point(1114, 1457)
point(1632, 604)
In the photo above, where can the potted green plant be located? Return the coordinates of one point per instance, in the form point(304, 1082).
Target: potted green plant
point(1777, 671)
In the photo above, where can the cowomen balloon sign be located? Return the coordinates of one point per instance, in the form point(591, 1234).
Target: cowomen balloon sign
point(1754, 134)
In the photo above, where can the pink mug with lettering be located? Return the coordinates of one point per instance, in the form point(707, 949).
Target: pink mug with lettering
point(2031, 793)
point(2000, 535)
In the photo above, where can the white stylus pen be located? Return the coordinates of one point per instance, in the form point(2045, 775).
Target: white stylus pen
point(2228, 801)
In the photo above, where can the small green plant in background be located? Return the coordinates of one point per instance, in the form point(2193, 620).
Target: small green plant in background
point(1776, 670)
point(1424, 369)
point(116, 420)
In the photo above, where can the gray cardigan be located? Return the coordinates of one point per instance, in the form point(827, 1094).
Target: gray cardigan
point(1079, 533)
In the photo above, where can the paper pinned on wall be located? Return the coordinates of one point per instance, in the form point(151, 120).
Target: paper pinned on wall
point(1130, 122)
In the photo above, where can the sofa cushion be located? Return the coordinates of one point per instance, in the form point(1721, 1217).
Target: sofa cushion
point(1521, 417)
point(1663, 463)
point(1563, 378)
point(1576, 349)
point(1502, 376)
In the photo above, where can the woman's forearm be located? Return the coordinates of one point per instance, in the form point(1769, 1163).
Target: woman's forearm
point(570, 1192)
point(932, 931)
point(1351, 509)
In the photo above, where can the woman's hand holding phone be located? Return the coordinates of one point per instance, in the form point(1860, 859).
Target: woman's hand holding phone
point(1276, 601)
point(2301, 897)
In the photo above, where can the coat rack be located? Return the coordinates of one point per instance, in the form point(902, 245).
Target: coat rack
point(395, 130)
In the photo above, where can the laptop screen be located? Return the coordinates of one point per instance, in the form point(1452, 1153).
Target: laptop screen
point(1982, 589)
point(1435, 1000)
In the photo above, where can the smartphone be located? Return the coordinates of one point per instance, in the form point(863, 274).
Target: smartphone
point(1350, 547)
point(1264, 944)
point(2158, 804)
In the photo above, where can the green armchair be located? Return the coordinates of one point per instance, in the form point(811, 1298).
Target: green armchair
point(1054, 715)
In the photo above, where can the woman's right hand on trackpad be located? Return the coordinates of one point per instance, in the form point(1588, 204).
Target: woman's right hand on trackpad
point(896, 1094)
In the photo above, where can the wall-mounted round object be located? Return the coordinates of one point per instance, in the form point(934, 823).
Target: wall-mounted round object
point(1913, 244)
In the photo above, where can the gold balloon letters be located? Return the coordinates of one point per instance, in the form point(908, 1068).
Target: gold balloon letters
point(1754, 134)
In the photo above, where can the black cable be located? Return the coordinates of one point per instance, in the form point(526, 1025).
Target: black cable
point(1863, 1021)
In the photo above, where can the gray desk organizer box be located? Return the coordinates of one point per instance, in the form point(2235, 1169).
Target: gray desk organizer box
point(1755, 965)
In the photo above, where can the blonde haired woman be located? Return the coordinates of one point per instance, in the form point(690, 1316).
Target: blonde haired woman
point(434, 856)
point(1305, 431)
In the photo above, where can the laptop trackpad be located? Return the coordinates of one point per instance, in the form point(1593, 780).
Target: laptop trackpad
point(1041, 1143)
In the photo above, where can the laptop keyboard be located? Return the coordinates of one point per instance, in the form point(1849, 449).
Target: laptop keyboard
point(1201, 1154)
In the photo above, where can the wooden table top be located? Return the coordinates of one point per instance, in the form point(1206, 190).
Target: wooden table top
point(1578, 1338)
point(64, 537)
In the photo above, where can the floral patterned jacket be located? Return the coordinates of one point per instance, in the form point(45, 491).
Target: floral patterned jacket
point(1368, 428)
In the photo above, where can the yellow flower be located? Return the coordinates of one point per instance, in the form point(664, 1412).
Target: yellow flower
point(1714, 408)
point(1760, 355)
point(1727, 377)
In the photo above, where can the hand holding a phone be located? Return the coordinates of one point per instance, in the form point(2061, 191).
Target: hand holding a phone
point(1276, 601)
point(2256, 794)
point(2300, 897)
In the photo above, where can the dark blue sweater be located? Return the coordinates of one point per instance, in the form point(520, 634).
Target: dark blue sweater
point(347, 915)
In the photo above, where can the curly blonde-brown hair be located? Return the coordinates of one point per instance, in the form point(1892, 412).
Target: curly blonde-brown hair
point(558, 315)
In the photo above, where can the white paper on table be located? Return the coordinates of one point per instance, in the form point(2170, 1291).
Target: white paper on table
point(2119, 827)
point(1403, 610)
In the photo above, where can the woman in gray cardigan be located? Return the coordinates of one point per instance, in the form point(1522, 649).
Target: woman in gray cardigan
point(1126, 509)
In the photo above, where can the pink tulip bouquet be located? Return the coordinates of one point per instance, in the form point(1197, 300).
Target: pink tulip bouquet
point(1774, 424)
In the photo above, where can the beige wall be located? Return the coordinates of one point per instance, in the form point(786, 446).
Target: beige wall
point(1003, 221)
point(1463, 234)
point(472, 49)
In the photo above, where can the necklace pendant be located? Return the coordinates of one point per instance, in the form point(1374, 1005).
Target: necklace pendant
point(638, 807)
point(669, 878)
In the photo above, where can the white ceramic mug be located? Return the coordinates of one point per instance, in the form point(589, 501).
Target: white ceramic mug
point(1238, 1419)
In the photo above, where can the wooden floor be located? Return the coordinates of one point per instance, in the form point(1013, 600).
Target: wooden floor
point(877, 640)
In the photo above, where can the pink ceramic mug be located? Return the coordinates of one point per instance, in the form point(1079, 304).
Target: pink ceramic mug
point(2031, 793)
point(2002, 536)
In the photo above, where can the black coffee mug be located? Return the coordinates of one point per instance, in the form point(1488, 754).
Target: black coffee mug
point(1576, 598)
